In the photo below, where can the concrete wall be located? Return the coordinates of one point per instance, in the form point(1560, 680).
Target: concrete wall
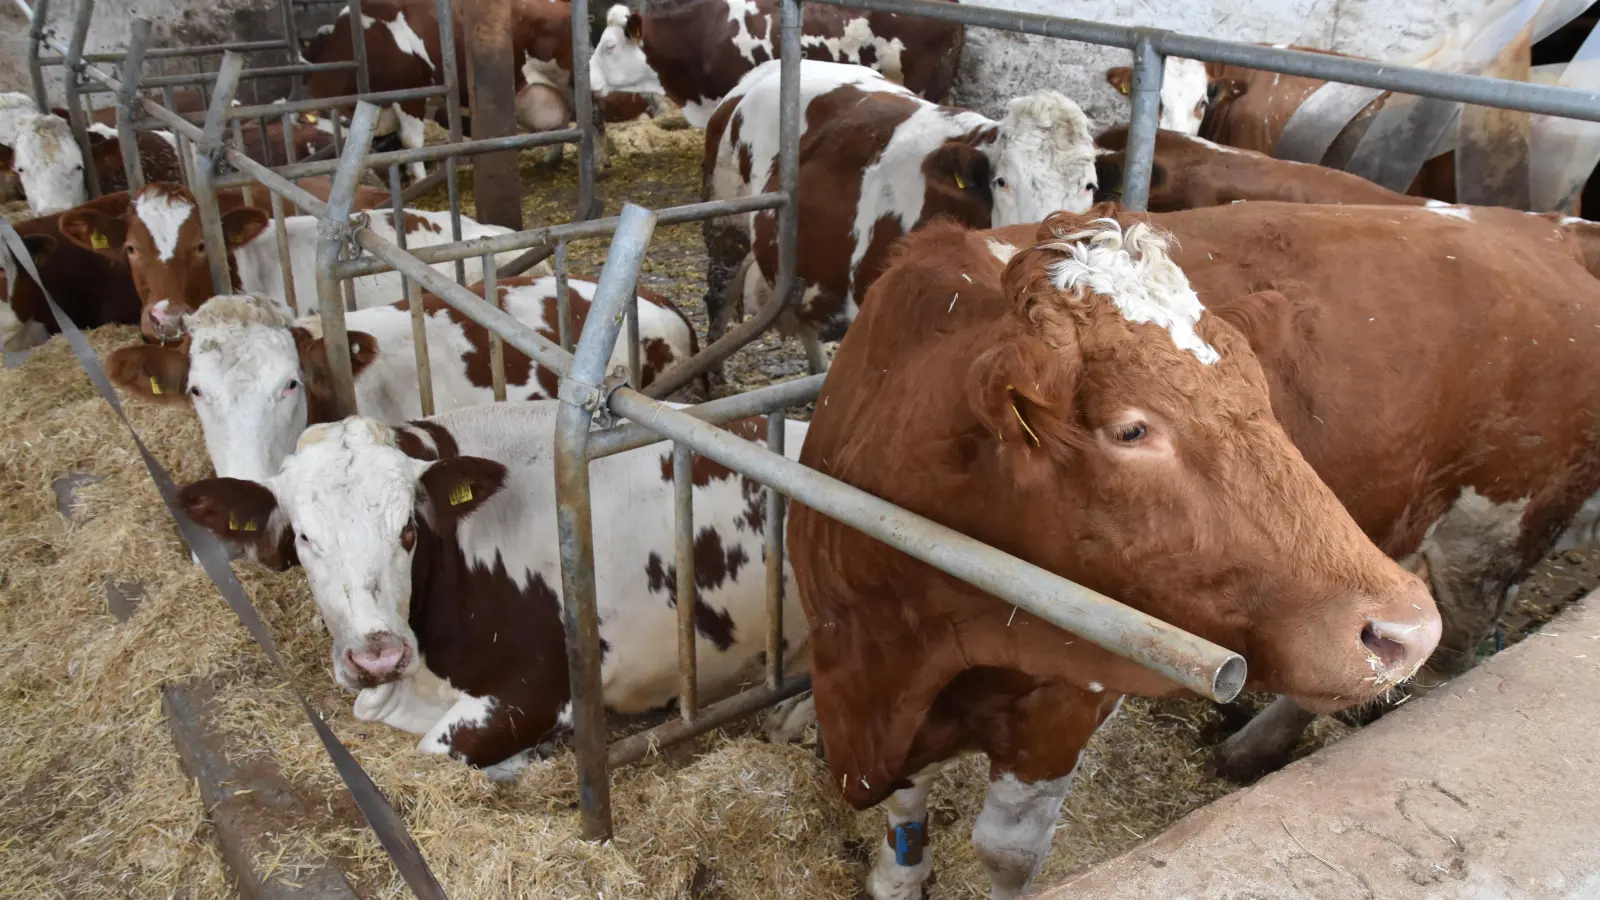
point(998, 65)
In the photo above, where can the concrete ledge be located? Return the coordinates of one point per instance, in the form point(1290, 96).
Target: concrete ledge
point(1486, 789)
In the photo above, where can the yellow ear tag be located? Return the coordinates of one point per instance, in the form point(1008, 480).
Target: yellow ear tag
point(1123, 88)
point(311, 118)
point(461, 494)
point(233, 522)
point(98, 241)
point(960, 183)
point(155, 386)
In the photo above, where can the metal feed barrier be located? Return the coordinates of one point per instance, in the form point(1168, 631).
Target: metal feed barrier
point(592, 400)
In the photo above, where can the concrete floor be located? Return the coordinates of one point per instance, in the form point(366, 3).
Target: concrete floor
point(1486, 789)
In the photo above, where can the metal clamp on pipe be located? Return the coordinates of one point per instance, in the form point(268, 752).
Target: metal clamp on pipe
point(594, 398)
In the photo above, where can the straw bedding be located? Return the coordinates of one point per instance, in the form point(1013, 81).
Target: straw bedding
point(94, 802)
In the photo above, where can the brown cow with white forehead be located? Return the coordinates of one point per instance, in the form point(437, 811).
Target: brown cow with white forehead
point(1078, 407)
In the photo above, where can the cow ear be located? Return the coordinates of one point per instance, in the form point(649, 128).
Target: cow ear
point(243, 514)
point(1020, 390)
point(634, 30)
point(960, 172)
point(314, 358)
point(1108, 177)
point(1121, 78)
point(241, 225)
point(456, 487)
point(92, 229)
point(40, 246)
point(151, 372)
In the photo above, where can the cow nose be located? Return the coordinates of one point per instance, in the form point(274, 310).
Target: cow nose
point(1397, 645)
point(383, 657)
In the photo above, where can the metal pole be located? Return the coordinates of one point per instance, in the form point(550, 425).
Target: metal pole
point(82, 13)
point(211, 150)
point(580, 398)
point(496, 185)
point(775, 557)
point(760, 401)
point(688, 599)
point(635, 370)
point(1141, 152)
point(358, 48)
point(583, 109)
point(563, 298)
point(131, 70)
point(445, 13)
point(497, 347)
point(280, 230)
point(266, 158)
point(789, 153)
point(291, 44)
point(332, 235)
point(419, 322)
point(36, 24)
point(185, 158)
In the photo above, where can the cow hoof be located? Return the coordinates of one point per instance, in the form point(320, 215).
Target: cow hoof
point(1246, 764)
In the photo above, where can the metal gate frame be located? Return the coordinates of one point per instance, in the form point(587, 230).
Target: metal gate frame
point(589, 398)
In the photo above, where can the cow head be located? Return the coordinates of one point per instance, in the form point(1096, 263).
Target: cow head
point(160, 235)
point(618, 64)
point(1043, 159)
point(1147, 424)
point(358, 510)
point(49, 163)
point(254, 378)
point(1185, 92)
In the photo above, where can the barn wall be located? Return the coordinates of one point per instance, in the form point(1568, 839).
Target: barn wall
point(998, 65)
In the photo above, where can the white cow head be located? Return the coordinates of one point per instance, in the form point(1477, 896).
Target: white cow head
point(1185, 92)
point(50, 164)
point(357, 510)
point(12, 106)
point(253, 377)
point(618, 64)
point(1043, 160)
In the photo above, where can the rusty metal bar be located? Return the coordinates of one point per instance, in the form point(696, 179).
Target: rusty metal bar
point(563, 298)
point(238, 141)
point(332, 234)
point(1148, 68)
point(131, 71)
point(82, 13)
point(332, 104)
point(497, 347)
point(36, 25)
point(635, 365)
point(635, 747)
point(445, 12)
point(496, 186)
point(202, 79)
point(424, 154)
point(185, 156)
point(358, 48)
point(775, 558)
point(280, 231)
point(583, 109)
point(419, 322)
point(211, 149)
point(580, 398)
point(688, 597)
point(173, 52)
point(632, 435)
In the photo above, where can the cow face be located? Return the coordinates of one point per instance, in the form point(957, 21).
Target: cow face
point(360, 512)
point(253, 378)
point(1043, 157)
point(1148, 425)
point(166, 250)
point(49, 163)
point(618, 64)
point(1185, 92)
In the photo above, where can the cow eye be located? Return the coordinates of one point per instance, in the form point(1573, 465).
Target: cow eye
point(290, 387)
point(408, 537)
point(129, 248)
point(200, 247)
point(194, 392)
point(1130, 433)
point(1000, 182)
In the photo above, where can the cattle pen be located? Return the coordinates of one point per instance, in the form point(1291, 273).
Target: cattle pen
point(594, 400)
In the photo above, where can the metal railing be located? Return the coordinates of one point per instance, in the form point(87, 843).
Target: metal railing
point(346, 250)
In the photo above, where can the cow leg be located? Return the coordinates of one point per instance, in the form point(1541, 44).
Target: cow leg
point(1469, 558)
point(787, 722)
point(1014, 830)
point(816, 355)
point(413, 136)
point(1264, 745)
point(903, 862)
point(413, 704)
point(488, 734)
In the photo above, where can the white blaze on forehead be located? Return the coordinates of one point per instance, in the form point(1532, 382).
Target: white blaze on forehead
point(1183, 89)
point(408, 40)
point(1132, 269)
point(163, 214)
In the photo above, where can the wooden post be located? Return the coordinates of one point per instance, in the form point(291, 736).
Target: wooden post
point(491, 86)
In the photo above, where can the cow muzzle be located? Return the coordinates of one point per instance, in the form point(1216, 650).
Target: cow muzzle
point(162, 323)
point(384, 657)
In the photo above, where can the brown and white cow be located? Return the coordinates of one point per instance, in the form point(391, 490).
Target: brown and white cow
point(161, 234)
point(1080, 408)
point(696, 52)
point(877, 162)
point(92, 286)
point(1189, 172)
point(431, 551)
point(257, 376)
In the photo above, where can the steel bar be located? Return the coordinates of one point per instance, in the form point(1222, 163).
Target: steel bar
point(238, 142)
point(291, 39)
point(1186, 660)
point(173, 52)
point(419, 324)
point(574, 515)
point(760, 401)
point(491, 82)
point(185, 157)
point(421, 154)
point(497, 347)
point(210, 151)
point(444, 11)
point(358, 48)
point(202, 79)
point(529, 258)
point(635, 365)
point(131, 70)
point(36, 26)
point(285, 264)
point(635, 747)
point(418, 188)
point(553, 234)
point(1535, 98)
point(583, 109)
point(776, 645)
point(563, 297)
point(82, 13)
point(1146, 116)
point(331, 234)
point(688, 599)
point(317, 104)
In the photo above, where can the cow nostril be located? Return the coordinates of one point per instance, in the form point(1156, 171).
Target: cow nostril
point(1389, 653)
